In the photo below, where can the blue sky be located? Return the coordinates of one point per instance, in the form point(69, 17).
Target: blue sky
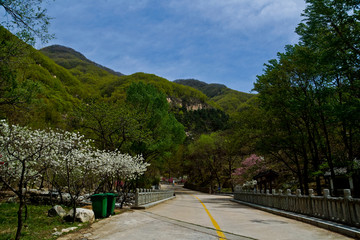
point(215, 41)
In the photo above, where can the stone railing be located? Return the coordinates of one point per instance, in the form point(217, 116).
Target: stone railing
point(344, 210)
point(145, 196)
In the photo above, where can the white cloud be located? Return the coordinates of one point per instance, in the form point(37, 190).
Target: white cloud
point(247, 15)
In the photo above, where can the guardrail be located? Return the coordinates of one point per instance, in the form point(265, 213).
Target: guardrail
point(145, 196)
point(345, 210)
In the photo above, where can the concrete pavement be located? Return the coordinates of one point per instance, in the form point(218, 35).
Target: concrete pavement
point(191, 215)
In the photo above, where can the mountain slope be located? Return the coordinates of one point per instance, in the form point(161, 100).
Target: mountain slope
point(210, 90)
point(66, 57)
point(92, 75)
point(54, 89)
point(105, 82)
point(228, 99)
point(178, 95)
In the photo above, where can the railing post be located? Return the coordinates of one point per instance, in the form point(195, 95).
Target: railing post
point(143, 196)
point(311, 201)
point(311, 192)
point(281, 199)
point(326, 210)
point(347, 206)
point(147, 195)
point(288, 194)
point(298, 203)
point(137, 198)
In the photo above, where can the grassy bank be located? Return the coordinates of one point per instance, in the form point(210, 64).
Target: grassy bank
point(37, 226)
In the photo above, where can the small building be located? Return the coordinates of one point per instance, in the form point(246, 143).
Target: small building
point(343, 181)
point(266, 180)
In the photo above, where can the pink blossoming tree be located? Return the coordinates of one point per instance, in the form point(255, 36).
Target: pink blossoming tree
point(249, 168)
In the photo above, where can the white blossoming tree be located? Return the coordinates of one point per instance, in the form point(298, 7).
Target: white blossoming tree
point(74, 163)
point(25, 155)
point(117, 167)
point(67, 158)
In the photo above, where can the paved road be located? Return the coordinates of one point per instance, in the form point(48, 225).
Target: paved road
point(193, 215)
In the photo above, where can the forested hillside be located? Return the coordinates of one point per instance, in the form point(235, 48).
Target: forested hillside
point(228, 99)
point(111, 84)
point(40, 90)
point(196, 111)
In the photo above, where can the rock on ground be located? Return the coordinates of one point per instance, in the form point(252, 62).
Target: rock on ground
point(56, 211)
point(82, 215)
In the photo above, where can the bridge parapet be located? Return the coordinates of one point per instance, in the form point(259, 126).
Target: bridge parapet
point(345, 210)
point(146, 196)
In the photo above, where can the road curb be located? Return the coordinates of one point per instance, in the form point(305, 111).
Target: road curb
point(332, 226)
point(149, 205)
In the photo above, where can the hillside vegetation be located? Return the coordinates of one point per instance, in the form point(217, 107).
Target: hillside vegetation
point(227, 99)
point(64, 81)
point(110, 84)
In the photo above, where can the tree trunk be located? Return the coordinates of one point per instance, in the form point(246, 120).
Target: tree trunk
point(74, 208)
point(42, 182)
point(20, 221)
point(21, 199)
point(26, 211)
point(230, 173)
point(299, 174)
point(306, 169)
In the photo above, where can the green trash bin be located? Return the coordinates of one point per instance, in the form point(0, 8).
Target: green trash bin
point(99, 205)
point(111, 199)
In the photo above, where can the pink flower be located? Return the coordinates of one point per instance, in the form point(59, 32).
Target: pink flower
point(249, 167)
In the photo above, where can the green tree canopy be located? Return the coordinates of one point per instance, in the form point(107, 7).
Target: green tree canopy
point(165, 131)
point(27, 18)
point(113, 126)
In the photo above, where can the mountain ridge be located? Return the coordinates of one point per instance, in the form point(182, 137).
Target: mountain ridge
point(111, 84)
point(56, 48)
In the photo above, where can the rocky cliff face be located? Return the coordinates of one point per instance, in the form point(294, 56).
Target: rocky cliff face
point(192, 105)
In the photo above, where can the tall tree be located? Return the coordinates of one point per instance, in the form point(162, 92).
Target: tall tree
point(165, 131)
point(287, 92)
point(28, 19)
point(25, 156)
point(311, 94)
point(331, 29)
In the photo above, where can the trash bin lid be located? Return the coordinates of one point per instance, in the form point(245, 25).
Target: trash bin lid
point(99, 195)
point(110, 194)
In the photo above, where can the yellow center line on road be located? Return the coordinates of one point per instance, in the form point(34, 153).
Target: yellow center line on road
point(216, 225)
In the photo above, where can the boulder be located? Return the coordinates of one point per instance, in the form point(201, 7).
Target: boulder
point(66, 230)
point(57, 233)
point(82, 215)
point(12, 199)
point(56, 211)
